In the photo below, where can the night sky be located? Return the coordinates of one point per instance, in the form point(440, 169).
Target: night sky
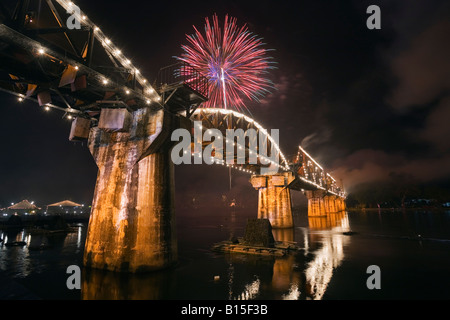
point(366, 104)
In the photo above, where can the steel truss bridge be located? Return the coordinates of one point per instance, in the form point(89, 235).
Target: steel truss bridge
point(81, 71)
point(53, 54)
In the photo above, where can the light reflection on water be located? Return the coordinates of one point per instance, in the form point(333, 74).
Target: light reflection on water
point(24, 253)
point(242, 277)
point(320, 270)
point(329, 256)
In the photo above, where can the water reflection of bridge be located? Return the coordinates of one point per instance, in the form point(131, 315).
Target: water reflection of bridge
point(305, 276)
point(301, 276)
point(330, 252)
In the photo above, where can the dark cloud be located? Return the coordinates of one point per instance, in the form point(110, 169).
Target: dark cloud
point(436, 131)
point(423, 69)
point(404, 124)
point(372, 166)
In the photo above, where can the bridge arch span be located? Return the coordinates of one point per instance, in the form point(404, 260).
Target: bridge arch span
point(226, 120)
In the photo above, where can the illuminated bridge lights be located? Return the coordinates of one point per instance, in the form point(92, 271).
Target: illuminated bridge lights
point(283, 166)
point(112, 50)
point(315, 170)
point(223, 163)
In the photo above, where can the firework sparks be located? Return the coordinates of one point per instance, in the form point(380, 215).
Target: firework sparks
point(234, 61)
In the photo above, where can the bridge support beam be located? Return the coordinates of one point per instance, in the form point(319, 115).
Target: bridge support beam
point(132, 223)
point(274, 200)
point(320, 204)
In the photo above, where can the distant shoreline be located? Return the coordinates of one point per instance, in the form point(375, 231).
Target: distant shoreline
point(400, 209)
point(33, 220)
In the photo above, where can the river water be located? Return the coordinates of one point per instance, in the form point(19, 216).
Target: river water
point(411, 249)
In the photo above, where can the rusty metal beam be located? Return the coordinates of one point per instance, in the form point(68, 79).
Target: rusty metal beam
point(59, 21)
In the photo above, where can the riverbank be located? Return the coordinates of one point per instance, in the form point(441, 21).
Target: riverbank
point(41, 220)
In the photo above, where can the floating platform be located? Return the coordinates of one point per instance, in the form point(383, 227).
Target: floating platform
point(279, 249)
point(15, 244)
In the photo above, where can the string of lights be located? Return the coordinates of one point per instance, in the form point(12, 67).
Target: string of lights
point(223, 163)
point(284, 165)
point(111, 48)
point(333, 189)
point(149, 94)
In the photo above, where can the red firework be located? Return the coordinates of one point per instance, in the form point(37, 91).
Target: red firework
point(234, 61)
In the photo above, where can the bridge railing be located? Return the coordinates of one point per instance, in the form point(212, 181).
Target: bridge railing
point(311, 171)
point(76, 70)
point(182, 74)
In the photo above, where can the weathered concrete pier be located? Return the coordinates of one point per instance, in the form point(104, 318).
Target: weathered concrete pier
point(132, 224)
point(274, 200)
point(320, 203)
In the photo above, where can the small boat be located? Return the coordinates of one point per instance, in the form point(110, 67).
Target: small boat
point(16, 244)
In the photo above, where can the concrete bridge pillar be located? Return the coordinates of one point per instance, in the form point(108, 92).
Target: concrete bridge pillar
point(340, 204)
point(274, 200)
point(320, 204)
point(132, 223)
point(331, 204)
point(316, 203)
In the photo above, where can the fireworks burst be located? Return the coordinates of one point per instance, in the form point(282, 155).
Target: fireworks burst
point(234, 61)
